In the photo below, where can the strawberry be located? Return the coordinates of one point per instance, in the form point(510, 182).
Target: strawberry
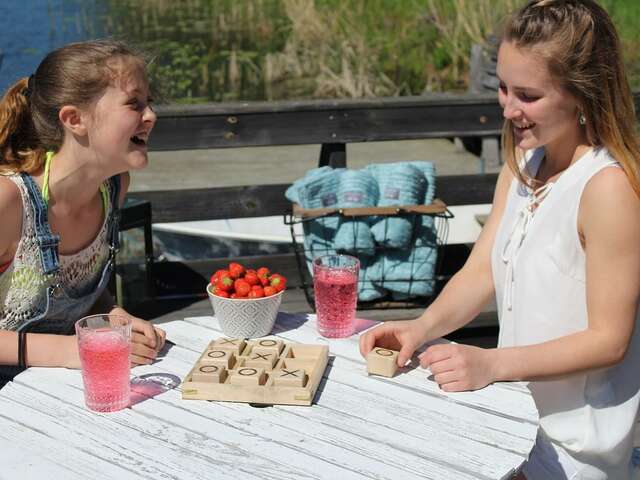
point(242, 287)
point(219, 293)
point(268, 291)
point(225, 283)
point(263, 275)
point(251, 278)
point(216, 276)
point(255, 294)
point(236, 270)
point(278, 282)
point(258, 288)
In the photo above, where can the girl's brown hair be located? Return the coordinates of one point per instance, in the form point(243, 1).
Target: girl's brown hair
point(75, 74)
point(580, 45)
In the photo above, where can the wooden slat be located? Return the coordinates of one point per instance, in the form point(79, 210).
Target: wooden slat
point(328, 121)
point(216, 203)
point(267, 200)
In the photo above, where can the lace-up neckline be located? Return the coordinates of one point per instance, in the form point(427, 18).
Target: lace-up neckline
point(517, 236)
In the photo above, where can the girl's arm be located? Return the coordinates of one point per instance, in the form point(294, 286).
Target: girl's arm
point(42, 350)
point(609, 223)
point(471, 288)
point(11, 215)
point(462, 299)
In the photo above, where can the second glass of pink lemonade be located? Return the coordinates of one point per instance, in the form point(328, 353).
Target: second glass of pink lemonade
point(335, 284)
point(104, 343)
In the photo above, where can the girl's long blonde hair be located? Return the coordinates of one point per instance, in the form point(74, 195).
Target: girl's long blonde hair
point(581, 48)
point(75, 74)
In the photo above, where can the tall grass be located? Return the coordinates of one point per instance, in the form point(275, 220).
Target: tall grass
point(224, 50)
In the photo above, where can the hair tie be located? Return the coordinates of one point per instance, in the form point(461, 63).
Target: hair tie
point(27, 92)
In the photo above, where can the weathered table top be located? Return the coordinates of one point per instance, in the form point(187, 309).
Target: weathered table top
point(359, 426)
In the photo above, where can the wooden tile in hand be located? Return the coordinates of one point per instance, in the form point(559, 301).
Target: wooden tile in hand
point(382, 361)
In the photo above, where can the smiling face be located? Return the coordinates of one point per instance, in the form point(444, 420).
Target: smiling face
point(120, 122)
point(542, 113)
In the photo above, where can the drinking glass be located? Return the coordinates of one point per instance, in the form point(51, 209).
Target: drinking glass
point(104, 343)
point(335, 284)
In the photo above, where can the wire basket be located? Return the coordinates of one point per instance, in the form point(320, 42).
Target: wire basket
point(399, 248)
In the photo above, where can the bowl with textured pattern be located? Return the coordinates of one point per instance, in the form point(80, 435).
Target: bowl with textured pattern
point(245, 317)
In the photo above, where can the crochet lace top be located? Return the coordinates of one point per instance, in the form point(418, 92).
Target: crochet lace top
point(24, 280)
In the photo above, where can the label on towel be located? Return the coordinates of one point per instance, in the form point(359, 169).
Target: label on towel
point(392, 193)
point(354, 197)
point(329, 199)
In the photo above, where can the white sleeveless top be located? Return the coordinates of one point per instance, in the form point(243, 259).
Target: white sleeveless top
point(538, 268)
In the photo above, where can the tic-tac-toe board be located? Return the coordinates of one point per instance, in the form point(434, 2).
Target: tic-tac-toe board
point(266, 370)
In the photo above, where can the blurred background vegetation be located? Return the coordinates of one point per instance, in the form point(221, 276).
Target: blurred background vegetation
point(228, 50)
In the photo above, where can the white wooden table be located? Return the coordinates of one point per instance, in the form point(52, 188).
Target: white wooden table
point(359, 427)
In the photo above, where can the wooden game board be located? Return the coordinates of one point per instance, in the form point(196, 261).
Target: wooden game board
point(267, 371)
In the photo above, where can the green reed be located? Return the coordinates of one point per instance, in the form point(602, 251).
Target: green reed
point(227, 50)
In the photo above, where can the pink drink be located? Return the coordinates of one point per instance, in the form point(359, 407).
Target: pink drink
point(104, 355)
point(336, 292)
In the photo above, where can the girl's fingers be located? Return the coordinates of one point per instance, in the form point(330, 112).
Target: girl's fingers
point(137, 360)
point(142, 339)
point(161, 337)
point(434, 354)
point(368, 340)
point(445, 378)
point(142, 350)
point(146, 329)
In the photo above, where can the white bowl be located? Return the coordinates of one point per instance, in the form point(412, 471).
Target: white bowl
point(245, 317)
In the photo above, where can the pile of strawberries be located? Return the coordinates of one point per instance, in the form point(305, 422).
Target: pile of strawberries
point(238, 282)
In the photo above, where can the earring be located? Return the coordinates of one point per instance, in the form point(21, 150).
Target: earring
point(582, 120)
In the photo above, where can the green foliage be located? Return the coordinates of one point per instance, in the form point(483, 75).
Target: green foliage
point(221, 50)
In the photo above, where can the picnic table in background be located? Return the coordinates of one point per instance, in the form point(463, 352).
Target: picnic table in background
point(359, 426)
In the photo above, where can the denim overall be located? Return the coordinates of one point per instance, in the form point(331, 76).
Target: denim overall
point(59, 310)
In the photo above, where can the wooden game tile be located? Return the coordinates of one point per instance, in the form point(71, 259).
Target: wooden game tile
point(217, 356)
point(298, 363)
point(248, 376)
point(264, 360)
point(382, 361)
point(209, 373)
point(235, 345)
point(271, 345)
point(289, 378)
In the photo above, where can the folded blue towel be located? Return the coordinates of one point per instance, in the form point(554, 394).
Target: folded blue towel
point(357, 189)
point(369, 271)
point(318, 189)
point(400, 184)
point(409, 274)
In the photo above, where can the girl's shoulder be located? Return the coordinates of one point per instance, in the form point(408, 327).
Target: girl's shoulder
point(10, 196)
point(10, 212)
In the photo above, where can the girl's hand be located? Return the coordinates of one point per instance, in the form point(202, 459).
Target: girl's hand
point(457, 368)
point(146, 340)
point(403, 336)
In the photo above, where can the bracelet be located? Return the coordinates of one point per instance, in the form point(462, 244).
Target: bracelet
point(22, 349)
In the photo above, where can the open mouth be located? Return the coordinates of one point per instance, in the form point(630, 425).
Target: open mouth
point(139, 141)
point(523, 127)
